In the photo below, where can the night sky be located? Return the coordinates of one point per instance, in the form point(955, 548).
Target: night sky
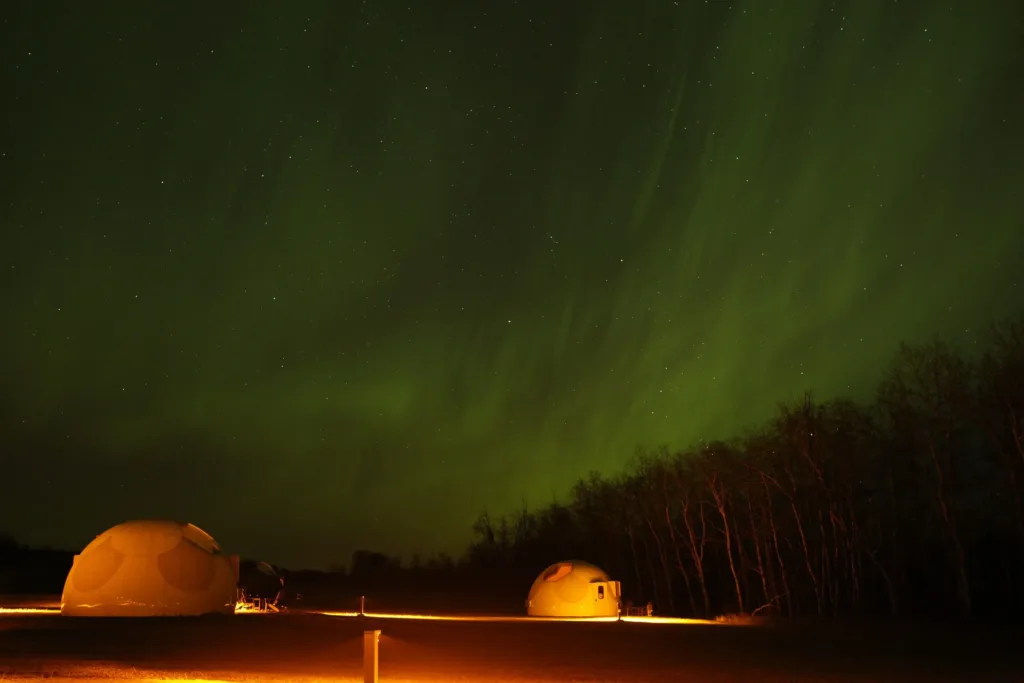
point(320, 276)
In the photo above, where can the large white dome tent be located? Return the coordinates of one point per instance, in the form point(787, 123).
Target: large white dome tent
point(151, 569)
point(574, 589)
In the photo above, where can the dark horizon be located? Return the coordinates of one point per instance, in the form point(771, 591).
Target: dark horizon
point(344, 276)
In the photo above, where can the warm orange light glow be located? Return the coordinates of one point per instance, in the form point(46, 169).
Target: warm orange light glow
point(29, 610)
point(673, 620)
point(518, 619)
point(247, 608)
point(462, 617)
point(255, 607)
point(262, 679)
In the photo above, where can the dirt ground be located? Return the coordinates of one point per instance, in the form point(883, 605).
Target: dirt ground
point(312, 647)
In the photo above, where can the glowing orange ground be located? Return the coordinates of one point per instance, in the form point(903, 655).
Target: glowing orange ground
point(316, 647)
point(509, 619)
point(245, 609)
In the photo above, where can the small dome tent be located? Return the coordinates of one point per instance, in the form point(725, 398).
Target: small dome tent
point(573, 589)
point(150, 569)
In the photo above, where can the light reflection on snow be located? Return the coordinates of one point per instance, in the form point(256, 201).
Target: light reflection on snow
point(480, 618)
point(518, 619)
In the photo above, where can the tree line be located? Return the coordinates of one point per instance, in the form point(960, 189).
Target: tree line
point(910, 504)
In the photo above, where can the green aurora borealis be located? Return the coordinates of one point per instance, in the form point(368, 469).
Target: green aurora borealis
point(343, 274)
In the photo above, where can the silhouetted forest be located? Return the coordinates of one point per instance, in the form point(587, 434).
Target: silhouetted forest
point(909, 505)
point(31, 570)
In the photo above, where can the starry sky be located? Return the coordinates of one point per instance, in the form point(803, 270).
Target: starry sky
point(320, 276)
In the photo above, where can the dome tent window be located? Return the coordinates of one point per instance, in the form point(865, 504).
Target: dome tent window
point(557, 572)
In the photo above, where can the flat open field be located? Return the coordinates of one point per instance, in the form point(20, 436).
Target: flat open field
point(309, 646)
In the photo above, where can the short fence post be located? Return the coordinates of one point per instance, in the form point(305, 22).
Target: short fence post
point(370, 668)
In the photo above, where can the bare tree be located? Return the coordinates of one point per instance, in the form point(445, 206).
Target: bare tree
point(711, 465)
point(926, 395)
point(692, 512)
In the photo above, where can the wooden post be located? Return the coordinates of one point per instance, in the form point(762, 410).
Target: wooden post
point(370, 640)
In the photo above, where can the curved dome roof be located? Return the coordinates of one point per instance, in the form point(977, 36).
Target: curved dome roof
point(150, 568)
point(573, 589)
